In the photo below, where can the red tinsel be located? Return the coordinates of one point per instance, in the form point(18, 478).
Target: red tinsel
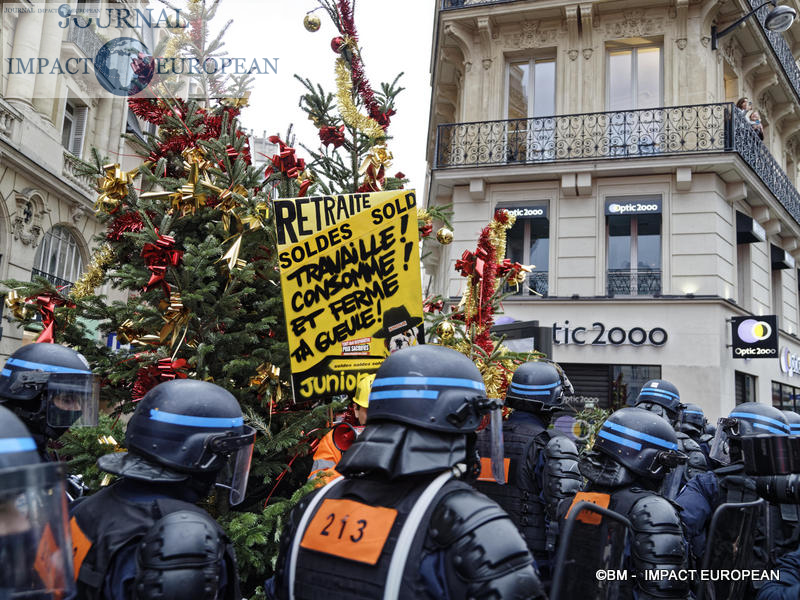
point(124, 223)
point(150, 376)
point(157, 257)
point(48, 302)
point(332, 135)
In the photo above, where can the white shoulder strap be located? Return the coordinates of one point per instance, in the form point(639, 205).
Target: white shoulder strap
point(301, 529)
point(403, 546)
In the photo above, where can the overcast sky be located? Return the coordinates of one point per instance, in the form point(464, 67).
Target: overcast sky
point(395, 36)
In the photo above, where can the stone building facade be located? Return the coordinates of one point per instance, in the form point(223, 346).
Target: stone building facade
point(650, 207)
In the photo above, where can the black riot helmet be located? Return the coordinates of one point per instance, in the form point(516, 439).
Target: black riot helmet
point(693, 419)
point(429, 387)
point(641, 441)
point(536, 387)
point(661, 397)
point(51, 388)
point(35, 552)
point(794, 421)
point(186, 430)
point(746, 420)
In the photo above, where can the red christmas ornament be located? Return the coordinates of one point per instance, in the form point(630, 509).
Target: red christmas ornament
point(157, 257)
point(332, 135)
point(426, 230)
point(337, 43)
point(150, 376)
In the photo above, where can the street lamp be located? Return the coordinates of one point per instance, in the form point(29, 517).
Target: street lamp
point(780, 18)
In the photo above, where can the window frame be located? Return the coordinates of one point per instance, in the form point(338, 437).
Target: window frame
point(69, 260)
point(634, 250)
point(634, 50)
point(526, 245)
point(531, 91)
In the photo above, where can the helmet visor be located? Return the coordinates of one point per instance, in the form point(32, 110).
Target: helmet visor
point(720, 449)
point(239, 450)
point(72, 399)
point(35, 549)
point(498, 453)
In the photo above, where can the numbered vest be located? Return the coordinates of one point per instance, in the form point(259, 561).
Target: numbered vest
point(104, 523)
point(520, 497)
point(346, 545)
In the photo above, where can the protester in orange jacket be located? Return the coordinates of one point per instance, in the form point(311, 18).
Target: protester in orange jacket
point(328, 455)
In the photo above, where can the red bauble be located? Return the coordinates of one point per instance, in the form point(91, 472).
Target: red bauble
point(337, 43)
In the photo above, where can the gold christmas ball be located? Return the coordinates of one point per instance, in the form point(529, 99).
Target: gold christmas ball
point(444, 235)
point(311, 23)
point(446, 330)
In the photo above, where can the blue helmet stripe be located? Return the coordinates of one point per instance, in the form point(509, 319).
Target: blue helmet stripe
point(661, 391)
point(437, 381)
point(794, 427)
point(426, 394)
point(22, 444)
point(619, 440)
point(693, 412)
point(642, 436)
point(752, 417)
point(549, 386)
point(5, 373)
point(192, 421)
point(658, 394)
point(513, 388)
point(35, 366)
point(770, 429)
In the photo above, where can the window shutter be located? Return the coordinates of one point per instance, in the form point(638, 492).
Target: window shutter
point(78, 130)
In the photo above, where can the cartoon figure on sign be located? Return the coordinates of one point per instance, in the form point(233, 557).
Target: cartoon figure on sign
point(400, 330)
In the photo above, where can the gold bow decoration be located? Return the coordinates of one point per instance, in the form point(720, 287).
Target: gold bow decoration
point(176, 319)
point(232, 255)
point(374, 167)
point(16, 304)
point(267, 373)
point(233, 102)
point(114, 185)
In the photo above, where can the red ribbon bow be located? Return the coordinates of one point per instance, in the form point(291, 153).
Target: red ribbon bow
point(472, 263)
point(47, 308)
point(332, 135)
point(285, 161)
point(157, 257)
point(150, 376)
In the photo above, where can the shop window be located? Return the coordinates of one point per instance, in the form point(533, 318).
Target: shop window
point(58, 258)
point(73, 128)
point(528, 243)
point(531, 94)
point(610, 386)
point(745, 387)
point(634, 255)
point(785, 397)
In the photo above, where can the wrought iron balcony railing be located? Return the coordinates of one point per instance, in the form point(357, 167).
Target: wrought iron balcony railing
point(86, 39)
point(447, 4)
point(780, 48)
point(536, 284)
point(639, 282)
point(62, 284)
point(696, 129)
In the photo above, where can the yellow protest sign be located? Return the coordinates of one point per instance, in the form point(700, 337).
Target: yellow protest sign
point(350, 278)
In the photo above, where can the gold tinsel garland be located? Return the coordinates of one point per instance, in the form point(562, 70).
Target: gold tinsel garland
point(347, 108)
point(93, 276)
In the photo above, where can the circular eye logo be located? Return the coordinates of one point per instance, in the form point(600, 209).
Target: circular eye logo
point(614, 208)
point(752, 331)
point(124, 66)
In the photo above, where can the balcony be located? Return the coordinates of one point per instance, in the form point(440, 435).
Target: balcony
point(62, 285)
point(780, 49)
point(640, 282)
point(666, 131)
point(85, 39)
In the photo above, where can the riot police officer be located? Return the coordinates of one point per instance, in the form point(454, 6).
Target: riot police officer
point(34, 545)
point(399, 524)
point(794, 421)
point(731, 483)
point(144, 534)
point(693, 424)
point(50, 388)
point(632, 453)
point(662, 397)
point(542, 463)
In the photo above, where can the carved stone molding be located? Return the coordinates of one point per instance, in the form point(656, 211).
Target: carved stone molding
point(681, 43)
point(26, 223)
point(587, 53)
point(573, 54)
point(635, 23)
point(532, 36)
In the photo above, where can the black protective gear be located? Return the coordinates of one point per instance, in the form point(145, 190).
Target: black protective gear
point(605, 472)
point(390, 450)
point(428, 387)
point(180, 558)
point(680, 475)
point(662, 397)
point(658, 544)
point(461, 533)
point(50, 387)
point(794, 421)
point(109, 521)
point(747, 419)
point(17, 447)
point(535, 387)
point(641, 441)
point(693, 414)
point(542, 470)
point(186, 430)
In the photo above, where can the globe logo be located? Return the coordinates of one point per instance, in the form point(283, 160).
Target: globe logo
point(124, 66)
point(64, 10)
point(752, 331)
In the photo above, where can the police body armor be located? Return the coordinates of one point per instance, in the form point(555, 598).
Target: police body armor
point(680, 475)
point(351, 508)
point(109, 522)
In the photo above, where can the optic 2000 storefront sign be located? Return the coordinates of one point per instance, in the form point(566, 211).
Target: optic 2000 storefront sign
point(600, 335)
point(754, 337)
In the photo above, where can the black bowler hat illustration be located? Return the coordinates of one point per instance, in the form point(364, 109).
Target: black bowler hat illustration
point(396, 320)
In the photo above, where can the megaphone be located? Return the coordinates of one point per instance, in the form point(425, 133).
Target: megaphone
point(344, 434)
